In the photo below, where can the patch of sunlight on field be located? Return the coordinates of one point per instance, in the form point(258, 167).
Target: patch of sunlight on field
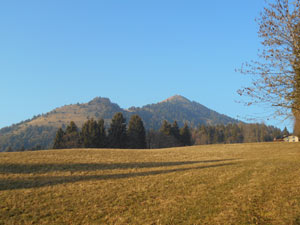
point(217, 184)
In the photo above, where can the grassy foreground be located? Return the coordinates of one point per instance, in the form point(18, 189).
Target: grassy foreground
point(218, 184)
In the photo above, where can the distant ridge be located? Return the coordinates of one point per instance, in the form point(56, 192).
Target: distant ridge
point(41, 129)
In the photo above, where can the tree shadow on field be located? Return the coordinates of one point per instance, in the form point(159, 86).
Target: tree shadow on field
point(17, 168)
point(44, 181)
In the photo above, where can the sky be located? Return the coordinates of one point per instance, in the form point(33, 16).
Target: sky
point(135, 52)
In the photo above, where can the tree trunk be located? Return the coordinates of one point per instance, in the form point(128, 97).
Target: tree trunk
point(297, 123)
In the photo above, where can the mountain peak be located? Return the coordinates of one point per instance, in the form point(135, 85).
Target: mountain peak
point(177, 98)
point(99, 100)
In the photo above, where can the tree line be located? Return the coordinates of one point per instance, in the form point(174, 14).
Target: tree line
point(236, 133)
point(94, 134)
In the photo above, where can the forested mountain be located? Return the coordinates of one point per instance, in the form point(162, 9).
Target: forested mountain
point(182, 110)
point(40, 131)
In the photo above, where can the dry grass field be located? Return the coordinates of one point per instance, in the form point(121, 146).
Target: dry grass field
point(217, 184)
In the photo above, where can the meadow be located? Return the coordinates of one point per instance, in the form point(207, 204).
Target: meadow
point(215, 184)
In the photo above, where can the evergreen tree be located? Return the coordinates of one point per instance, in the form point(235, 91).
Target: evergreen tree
point(210, 134)
point(136, 133)
point(117, 133)
point(170, 134)
point(175, 132)
point(59, 139)
point(285, 132)
point(72, 137)
point(185, 135)
point(221, 135)
point(88, 134)
point(93, 134)
point(101, 141)
point(215, 138)
point(165, 128)
point(84, 135)
point(71, 128)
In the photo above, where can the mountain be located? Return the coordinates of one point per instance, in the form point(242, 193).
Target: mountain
point(181, 109)
point(39, 131)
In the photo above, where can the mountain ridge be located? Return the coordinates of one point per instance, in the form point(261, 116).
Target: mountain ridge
point(42, 128)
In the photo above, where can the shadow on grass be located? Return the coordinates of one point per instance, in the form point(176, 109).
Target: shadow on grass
point(44, 181)
point(74, 167)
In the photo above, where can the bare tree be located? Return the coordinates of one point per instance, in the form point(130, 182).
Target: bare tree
point(276, 76)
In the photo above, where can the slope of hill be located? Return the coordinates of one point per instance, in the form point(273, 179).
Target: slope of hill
point(181, 109)
point(39, 131)
point(216, 184)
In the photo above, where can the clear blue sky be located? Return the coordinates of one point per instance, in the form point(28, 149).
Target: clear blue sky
point(135, 52)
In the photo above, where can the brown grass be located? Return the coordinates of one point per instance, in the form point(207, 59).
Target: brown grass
point(217, 184)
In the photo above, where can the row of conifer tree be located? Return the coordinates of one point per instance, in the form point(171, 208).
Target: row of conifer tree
point(94, 134)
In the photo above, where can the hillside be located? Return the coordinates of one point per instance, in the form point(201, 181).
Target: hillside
point(39, 131)
point(181, 109)
point(216, 184)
